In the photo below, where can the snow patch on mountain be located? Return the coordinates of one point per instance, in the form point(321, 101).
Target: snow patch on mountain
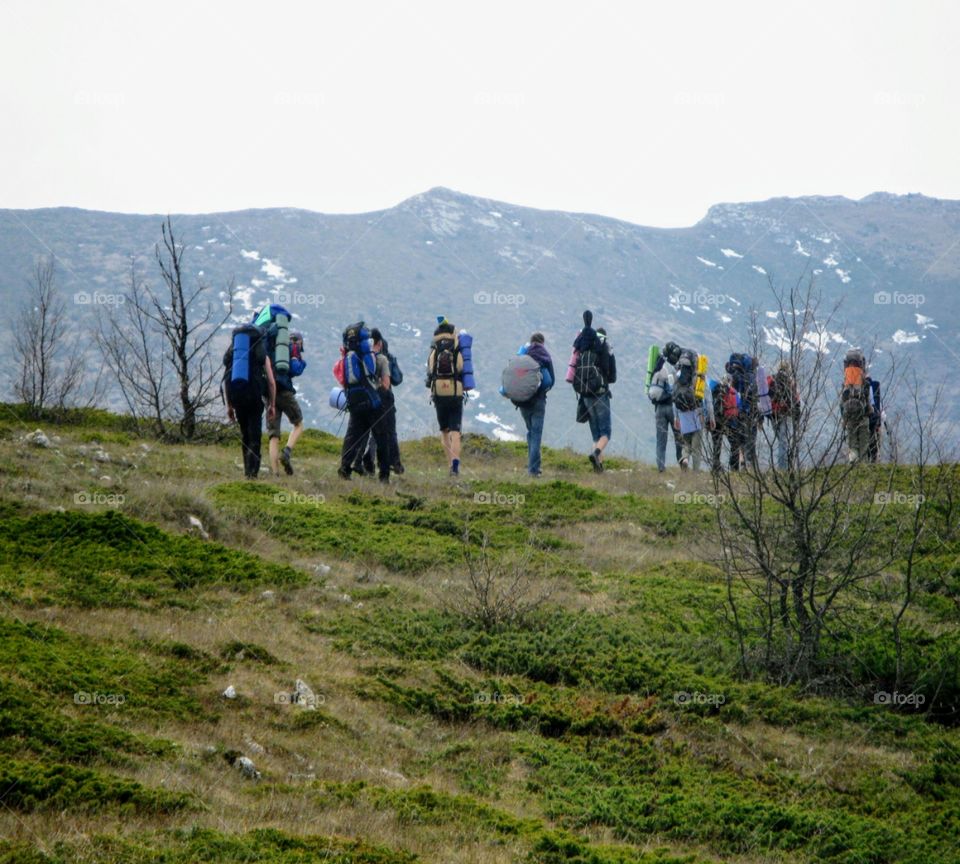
point(926, 322)
point(830, 260)
point(729, 253)
point(843, 274)
point(253, 255)
point(799, 250)
point(902, 337)
point(759, 269)
point(244, 294)
point(501, 431)
point(705, 261)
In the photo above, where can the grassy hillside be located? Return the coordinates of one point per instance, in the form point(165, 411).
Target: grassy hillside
point(138, 581)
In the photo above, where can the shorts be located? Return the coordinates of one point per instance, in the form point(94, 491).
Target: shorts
point(449, 412)
point(598, 415)
point(288, 406)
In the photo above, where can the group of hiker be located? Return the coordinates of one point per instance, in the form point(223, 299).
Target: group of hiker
point(735, 406)
point(266, 355)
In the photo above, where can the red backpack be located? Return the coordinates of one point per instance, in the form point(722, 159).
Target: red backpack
point(731, 404)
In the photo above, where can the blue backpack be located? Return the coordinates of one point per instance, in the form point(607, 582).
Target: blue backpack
point(243, 371)
point(360, 369)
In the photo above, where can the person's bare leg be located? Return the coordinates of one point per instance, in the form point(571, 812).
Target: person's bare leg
point(454, 446)
point(599, 445)
point(275, 455)
point(445, 440)
point(294, 435)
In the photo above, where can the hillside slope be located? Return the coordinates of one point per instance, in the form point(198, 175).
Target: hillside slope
point(139, 581)
point(501, 271)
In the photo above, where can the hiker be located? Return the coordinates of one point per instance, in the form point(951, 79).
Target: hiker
point(594, 370)
point(247, 373)
point(287, 404)
point(660, 393)
point(742, 371)
point(364, 462)
point(366, 378)
point(688, 409)
point(877, 420)
point(785, 406)
point(526, 380)
point(855, 405)
point(724, 401)
point(445, 374)
point(694, 442)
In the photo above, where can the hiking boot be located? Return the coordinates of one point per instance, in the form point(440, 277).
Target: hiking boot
point(385, 480)
point(285, 460)
point(398, 468)
point(343, 473)
point(368, 467)
point(595, 461)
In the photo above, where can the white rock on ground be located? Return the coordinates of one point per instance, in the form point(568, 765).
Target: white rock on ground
point(304, 695)
point(196, 523)
point(38, 439)
point(246, 767)
point(230, 692)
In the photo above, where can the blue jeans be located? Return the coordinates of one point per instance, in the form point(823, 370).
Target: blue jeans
point(598, 414)
point(533, 413)
point(664, 418)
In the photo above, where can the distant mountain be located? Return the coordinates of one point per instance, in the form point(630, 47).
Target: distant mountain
point(503, 271)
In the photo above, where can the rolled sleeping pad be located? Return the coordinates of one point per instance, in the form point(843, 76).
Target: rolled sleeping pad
point(465, 343)
point(282, 347)
point(338, 399)
point(700, 388)
point(764, 405)
point(240, 368)
point(652, 356)
point(572, 366)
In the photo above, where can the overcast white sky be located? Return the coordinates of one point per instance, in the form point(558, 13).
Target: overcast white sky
point(647, 112)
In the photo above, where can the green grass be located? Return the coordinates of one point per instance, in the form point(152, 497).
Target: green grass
point(561, 740)
point(107, 559)
point(28, 787)
point(265, 846)
point(54, 662)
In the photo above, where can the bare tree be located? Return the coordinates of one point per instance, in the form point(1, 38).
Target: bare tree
point(161, 351)
point(134, 352)
point(806, 545)
point(499, 591)
point(49, 370)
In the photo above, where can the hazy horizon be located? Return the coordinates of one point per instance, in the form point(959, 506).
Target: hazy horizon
point(647, 115)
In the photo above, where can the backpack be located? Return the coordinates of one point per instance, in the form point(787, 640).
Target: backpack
point(275, 321)
point(521, 379)
point(731, 404)
point(686, 397)
point(853, 396)
point(396, 375)
point(660, 392)
point(244, 368)
point(297, 363)
point(360, 369)
point(446, 372)
point(587, 376)
point(783, 394)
